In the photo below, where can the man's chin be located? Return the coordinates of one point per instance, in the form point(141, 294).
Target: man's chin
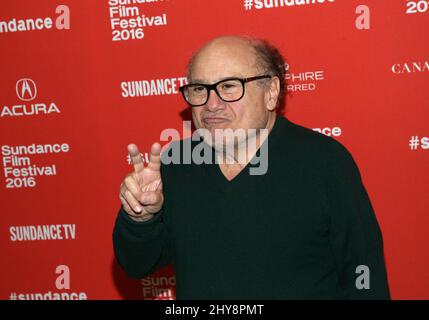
point(216, 129)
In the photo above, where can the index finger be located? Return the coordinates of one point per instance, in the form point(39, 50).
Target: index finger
point(136, 158)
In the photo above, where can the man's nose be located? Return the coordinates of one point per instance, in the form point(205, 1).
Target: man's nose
point(214, 102)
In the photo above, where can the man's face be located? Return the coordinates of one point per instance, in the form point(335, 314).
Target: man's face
point(222, 59)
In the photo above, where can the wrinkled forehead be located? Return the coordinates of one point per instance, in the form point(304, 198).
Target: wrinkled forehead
point(223, 59)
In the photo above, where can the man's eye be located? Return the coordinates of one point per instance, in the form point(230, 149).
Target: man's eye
point(198, 89)
point(227, 86)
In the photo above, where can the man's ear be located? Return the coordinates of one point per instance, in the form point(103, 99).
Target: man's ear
point(272, 93)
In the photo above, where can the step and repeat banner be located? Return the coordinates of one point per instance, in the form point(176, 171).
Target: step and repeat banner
point(81, 79)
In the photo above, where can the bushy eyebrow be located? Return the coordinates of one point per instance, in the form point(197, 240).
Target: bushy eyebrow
point(200, 81)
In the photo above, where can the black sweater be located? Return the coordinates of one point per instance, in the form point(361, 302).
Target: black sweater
point(297, 232)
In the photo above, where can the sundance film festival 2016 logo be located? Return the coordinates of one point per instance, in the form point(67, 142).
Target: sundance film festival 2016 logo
point(26, 91)
point(60, 22)
point(18, 170)
point(127, 21)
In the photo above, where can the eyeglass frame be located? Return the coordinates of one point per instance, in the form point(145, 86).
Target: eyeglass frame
point(210, 87)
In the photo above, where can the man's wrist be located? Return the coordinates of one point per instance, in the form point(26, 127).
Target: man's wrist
point(143, 218)
point(146, 218)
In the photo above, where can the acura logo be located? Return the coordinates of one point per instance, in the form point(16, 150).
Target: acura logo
point(26, 89)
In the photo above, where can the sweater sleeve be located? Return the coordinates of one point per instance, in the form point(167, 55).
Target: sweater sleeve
point(141, 247)
point(355, 235)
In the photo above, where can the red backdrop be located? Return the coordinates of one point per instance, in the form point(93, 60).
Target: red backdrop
point(358, 70)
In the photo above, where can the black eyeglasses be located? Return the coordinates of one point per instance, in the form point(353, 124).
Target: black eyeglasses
point(229, 90)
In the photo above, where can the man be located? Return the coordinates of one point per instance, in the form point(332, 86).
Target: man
point(305, 229)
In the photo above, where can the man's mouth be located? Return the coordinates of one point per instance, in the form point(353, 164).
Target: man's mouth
point(214, 119)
